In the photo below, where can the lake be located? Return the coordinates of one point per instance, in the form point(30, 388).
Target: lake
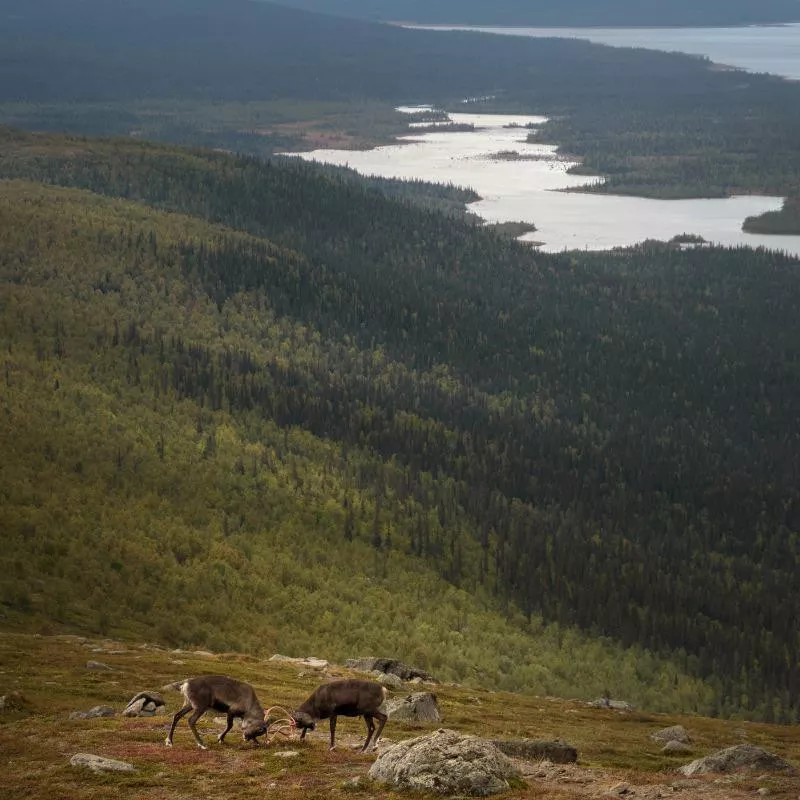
point(525, 188)
point(756, 48)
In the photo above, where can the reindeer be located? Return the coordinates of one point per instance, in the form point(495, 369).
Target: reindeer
point(220, 693)
point(348, 698)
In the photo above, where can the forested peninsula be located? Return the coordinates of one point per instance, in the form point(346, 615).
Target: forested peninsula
point(227, 379)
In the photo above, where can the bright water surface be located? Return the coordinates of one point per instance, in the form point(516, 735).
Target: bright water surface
point(756, 48)
point(524, 190)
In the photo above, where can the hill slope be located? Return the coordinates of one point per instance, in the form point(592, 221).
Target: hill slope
point(602, 442)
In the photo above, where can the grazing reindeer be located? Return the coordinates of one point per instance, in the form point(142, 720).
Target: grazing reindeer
point(348, 698)
point(220, 693)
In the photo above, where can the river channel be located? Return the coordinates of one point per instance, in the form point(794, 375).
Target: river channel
point(518, 181)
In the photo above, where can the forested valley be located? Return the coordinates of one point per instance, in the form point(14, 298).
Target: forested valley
point(259, 78)
point(227, 380)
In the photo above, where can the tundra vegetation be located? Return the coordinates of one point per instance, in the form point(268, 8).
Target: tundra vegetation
point(226, 382)
point(49, 675)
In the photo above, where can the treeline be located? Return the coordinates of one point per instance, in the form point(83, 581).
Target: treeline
point(606, 440)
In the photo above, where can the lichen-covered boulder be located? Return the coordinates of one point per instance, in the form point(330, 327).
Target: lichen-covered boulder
point(675, 733)
point(417, 707)
point(100, 764)
point(739, 758)
point(445, 762)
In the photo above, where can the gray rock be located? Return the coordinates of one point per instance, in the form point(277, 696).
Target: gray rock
point(607, 702)
point(445, 762)
point(285, 754)
point(676, 733)
point(557, 751)
point(388, 679)
point(418, 707)
point(390, 665)
point(92, 713)
point(100, 764)
point(676, 747)
point(739, 758)
point(98, 665)
point(308, 661)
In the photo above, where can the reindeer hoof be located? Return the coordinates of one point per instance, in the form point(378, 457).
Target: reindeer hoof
point(168, 742)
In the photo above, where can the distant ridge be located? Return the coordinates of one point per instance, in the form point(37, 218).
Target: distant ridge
point(618, 13)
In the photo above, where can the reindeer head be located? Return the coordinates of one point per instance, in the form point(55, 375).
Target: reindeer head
point(252, 728)
point(304, 721)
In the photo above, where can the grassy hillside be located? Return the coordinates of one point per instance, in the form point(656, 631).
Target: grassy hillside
point(314, 408)
point(51, 680)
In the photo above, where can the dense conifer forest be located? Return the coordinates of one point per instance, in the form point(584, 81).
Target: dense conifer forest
point(251, 373)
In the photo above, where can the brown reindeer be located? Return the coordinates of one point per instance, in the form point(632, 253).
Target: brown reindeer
point(220, 693)
point(347, 698)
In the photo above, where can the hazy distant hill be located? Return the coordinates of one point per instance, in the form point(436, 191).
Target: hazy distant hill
point(570, 12)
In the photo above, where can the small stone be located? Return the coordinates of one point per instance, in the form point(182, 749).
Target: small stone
point(100, 764)
point(285, 754)
point(97, 665)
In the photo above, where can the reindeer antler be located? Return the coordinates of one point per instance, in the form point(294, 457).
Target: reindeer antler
point(285, 725)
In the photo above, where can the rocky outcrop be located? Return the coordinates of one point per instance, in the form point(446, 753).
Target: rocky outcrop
point(739, 758)
point(615, 705)
point(390, 665)
point(418, 707)
point(447, 763)
point(554, 750)
point(310, 662)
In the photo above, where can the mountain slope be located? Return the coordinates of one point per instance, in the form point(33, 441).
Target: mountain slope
point(606, 441)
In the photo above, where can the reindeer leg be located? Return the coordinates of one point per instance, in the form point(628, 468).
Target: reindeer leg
point(224, 733)
point(381, 722)
point(192, 720)
point(370, 729)
point(182, 713)
point(333, 731)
